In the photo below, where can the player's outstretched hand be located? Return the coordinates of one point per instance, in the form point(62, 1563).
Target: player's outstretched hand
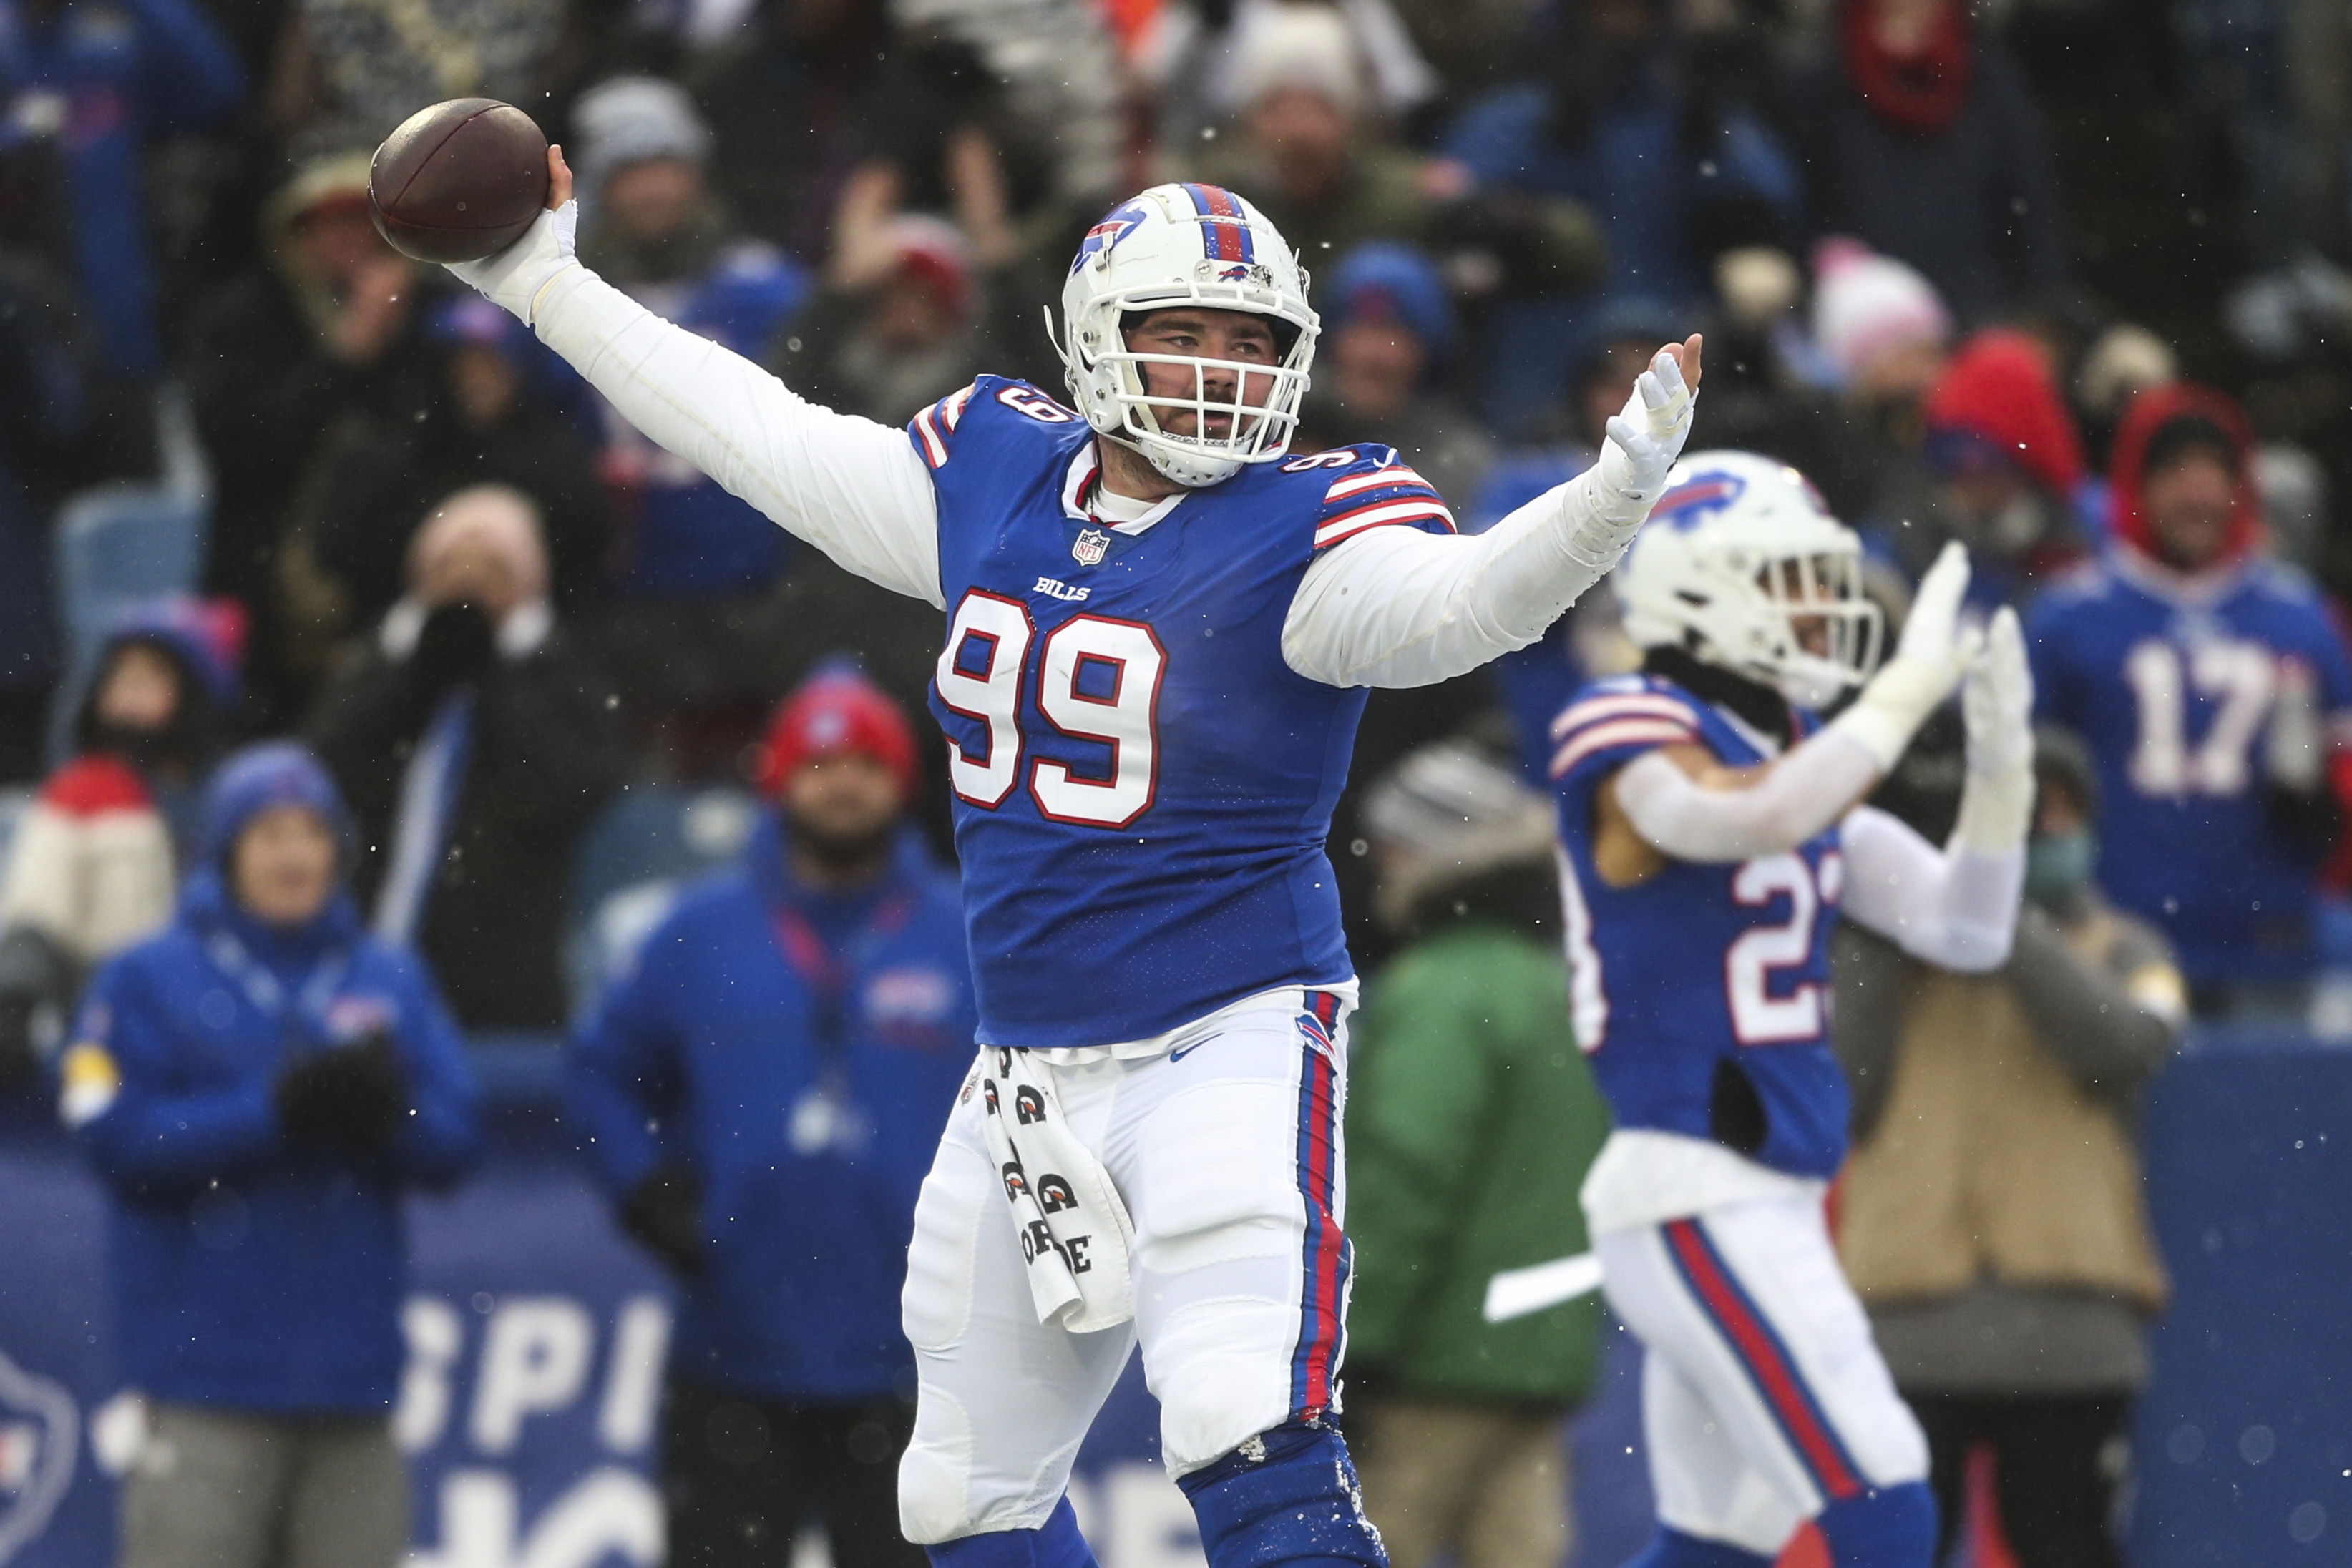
point(514, 277)
point(1933, 652)
point(1997, 701)
point(1645, 439)
point(1933, 640)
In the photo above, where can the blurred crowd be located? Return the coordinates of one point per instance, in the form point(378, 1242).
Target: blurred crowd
point(2062, 279)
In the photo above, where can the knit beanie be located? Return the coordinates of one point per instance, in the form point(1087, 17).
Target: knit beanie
point(836, 709)
point(1444, 815)
point(1383, 281)
point(1865, 304)
point(1999, 391)
point(627, 120)
point(1304, 46)
point(260, 778)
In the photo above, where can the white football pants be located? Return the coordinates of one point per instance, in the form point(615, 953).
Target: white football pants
point(1764, 1398)
point(1227, 1151)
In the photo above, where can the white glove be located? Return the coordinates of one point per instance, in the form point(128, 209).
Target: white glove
point(515, 276)
point(1928, 662)
point(1997, 703)
point(1645, 439)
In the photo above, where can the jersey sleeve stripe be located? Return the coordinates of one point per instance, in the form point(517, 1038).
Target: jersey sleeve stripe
point(1618, 732)
point(1333, 530)
point(935, 450)
point(1648, 705)
point(951, 407)
point(1376, 480)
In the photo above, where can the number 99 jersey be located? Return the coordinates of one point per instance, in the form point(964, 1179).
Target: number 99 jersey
point(1702, 994)
point(1142, 784)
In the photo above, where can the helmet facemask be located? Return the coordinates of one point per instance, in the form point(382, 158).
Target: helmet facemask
point(1252, 415)
point(1809, 630)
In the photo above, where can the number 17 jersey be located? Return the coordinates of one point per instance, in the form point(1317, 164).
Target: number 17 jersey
point(1142, 783)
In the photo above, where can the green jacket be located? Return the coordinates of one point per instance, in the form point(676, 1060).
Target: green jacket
point(1471, 1121)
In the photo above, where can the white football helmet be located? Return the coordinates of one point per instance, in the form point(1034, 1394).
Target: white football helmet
point(1742, 565)
point(1186, 244)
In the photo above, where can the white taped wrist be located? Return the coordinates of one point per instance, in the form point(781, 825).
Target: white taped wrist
point(1996, 810)
point(1892, 707)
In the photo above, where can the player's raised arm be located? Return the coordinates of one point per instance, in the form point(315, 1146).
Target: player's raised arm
point(1395, 607)
point(1957, 906)
point(1684, 805)
point(855, 489)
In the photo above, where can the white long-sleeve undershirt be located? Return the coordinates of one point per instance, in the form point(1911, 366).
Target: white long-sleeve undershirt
point(1954, 907)
point(1391, 607)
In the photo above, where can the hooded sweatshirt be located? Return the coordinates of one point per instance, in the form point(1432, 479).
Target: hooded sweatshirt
point(2186, 689)
point(249, 1273)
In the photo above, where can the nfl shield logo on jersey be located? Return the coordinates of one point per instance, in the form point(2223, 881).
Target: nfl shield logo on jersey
point(1087, 550)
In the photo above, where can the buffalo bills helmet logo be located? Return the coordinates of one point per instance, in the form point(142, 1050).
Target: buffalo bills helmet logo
point(1108, 232)
point(1698, 498)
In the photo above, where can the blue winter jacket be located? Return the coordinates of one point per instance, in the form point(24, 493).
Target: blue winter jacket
point(98, 79)
point(249, 1273)
point(809, 1139)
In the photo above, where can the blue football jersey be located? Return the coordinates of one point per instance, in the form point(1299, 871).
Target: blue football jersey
point(2172, 686)
point(1142, 784)
point(1700, 964)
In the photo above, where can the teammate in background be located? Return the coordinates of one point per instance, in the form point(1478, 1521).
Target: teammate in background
point(1712, 830)
point(1159, 628)
point(2214, 693)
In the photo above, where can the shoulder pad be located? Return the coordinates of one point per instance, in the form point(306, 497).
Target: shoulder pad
point(1368, 486)
point(933, 431)
point(1609, 716)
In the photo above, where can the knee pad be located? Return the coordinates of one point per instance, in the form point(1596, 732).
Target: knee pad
point(1673, 1549)
point(1891, 1527)
point(1287, 1496)
point(1055, 1543)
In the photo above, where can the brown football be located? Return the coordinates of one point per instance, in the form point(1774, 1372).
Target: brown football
point(459, 181)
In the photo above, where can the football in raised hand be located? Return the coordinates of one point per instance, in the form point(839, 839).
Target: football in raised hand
point(459, 181)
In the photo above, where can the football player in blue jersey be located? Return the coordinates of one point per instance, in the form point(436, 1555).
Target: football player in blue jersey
point(1711, 832)
point(2213, 689)
point(1160, 628)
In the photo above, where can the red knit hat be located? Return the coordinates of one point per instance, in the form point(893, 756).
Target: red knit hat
point(1999, 388)
point(836, 710)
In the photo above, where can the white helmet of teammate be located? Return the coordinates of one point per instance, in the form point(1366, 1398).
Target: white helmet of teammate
point(1742, 565)
point(1187, 245)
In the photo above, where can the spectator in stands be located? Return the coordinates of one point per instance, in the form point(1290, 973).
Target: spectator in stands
point(791, 104)
point(1315, 159)
point(1471, 1121)
point(1388, 335)
point(94, 864)
point(761, 1088)
point(1923, 143)
point(345, 72)
point(44, 421)
point(2213, 690)
point(652, 229)
point(2002, 472)
point(322, 332)
point(896, 325)
point(484, 422)
point(1672, 179)
point(1993, 1216)
point(257, 1087)
point(1881, 337)
point(86, 88)
point(474, 743)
